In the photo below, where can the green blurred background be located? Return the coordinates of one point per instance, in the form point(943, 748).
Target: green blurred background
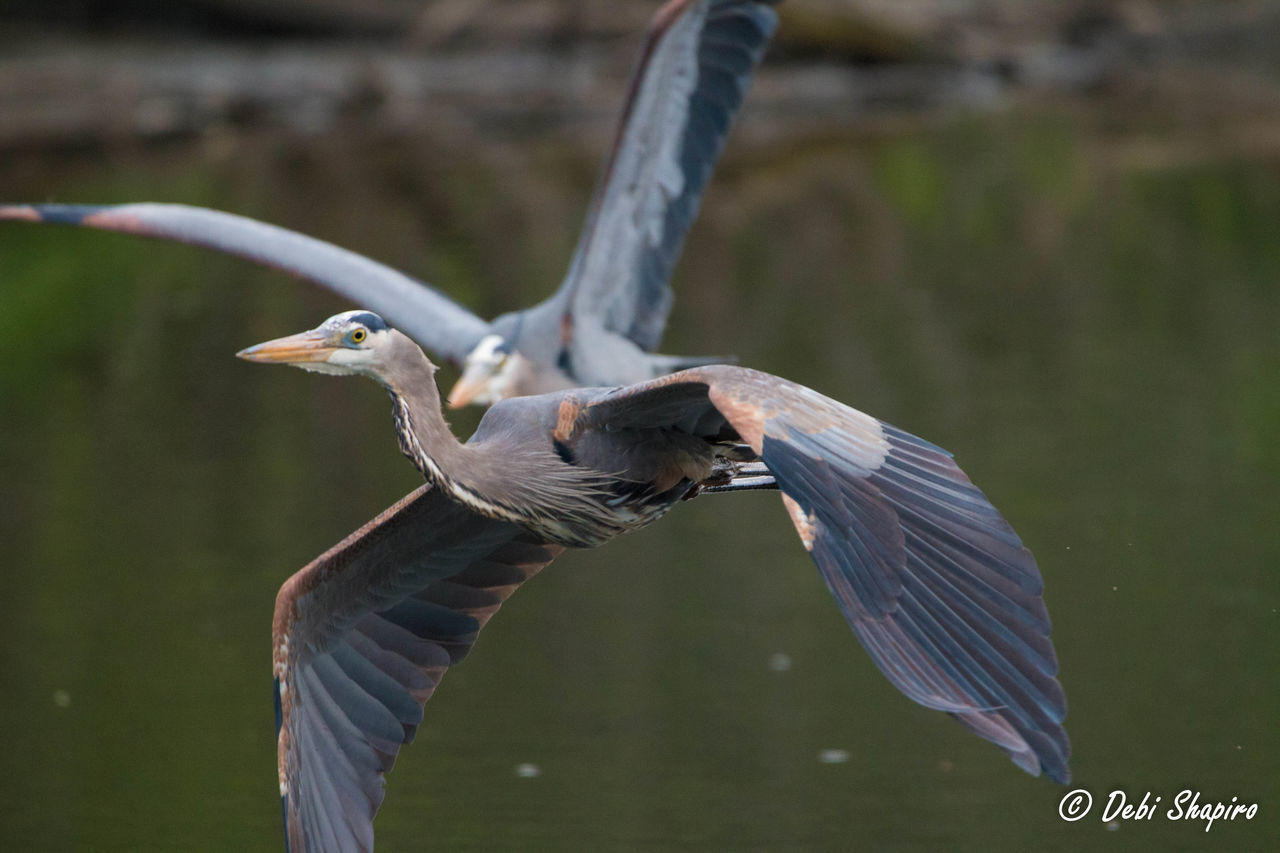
point(1043, 236)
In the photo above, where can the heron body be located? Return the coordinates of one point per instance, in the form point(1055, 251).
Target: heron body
point(931, 578)
point(604, 323)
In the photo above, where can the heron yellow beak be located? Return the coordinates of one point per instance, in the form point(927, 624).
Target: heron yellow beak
point(302, 348)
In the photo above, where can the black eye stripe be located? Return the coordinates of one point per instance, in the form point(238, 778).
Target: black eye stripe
point(369, 320)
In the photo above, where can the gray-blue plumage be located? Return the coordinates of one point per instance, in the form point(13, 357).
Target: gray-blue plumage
point(604, 323)
point(651, 185)
point(932, 580)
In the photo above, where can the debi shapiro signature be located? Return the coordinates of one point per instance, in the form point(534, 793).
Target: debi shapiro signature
point(1186, 806)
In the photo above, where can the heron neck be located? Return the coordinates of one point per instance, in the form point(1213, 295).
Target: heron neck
point(421, 429)
point(471, 477)
point(512, 486)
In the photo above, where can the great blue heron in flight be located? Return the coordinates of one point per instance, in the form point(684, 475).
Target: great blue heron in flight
point(934, 582)
point(602, 325)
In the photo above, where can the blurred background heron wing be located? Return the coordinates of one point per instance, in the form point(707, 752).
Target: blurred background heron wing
point(694, 70)
point(362, 636)
point(934, 582)
point(429, 317)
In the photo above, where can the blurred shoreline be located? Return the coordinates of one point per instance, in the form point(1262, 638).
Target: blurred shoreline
point(470, 73)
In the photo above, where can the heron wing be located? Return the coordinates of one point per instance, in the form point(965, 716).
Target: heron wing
point(361, 638)
point(934, 582)
point(694, 70)
point(429, 317)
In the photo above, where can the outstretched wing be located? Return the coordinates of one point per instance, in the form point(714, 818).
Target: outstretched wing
point(934, 582)
point(694, 70)
point(361, 638)
point(429, 317)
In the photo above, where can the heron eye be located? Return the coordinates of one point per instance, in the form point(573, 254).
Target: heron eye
point(358, 336)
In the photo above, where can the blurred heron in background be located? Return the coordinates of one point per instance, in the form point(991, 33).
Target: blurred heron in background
point(932, 579)
point(602, 325)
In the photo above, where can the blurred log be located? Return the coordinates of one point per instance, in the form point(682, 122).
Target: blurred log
point(81, 95)
point(490, 66)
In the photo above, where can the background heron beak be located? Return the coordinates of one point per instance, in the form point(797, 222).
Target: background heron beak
point(302, 348)
point(468, 388)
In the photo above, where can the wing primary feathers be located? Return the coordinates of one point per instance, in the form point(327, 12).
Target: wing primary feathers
point(695, 68)
point(363, 636)
point(935, 584)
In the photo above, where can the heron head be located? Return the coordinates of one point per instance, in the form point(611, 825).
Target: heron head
point(490, 372)
point(351, 343)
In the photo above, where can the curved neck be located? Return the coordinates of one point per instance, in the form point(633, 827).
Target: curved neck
point(421, 429)
point(531, 486)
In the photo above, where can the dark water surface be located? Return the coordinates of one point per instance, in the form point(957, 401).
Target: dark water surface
point(1094, 334)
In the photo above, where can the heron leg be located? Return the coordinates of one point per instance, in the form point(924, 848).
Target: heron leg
point(730, 476)
point(744, 484)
